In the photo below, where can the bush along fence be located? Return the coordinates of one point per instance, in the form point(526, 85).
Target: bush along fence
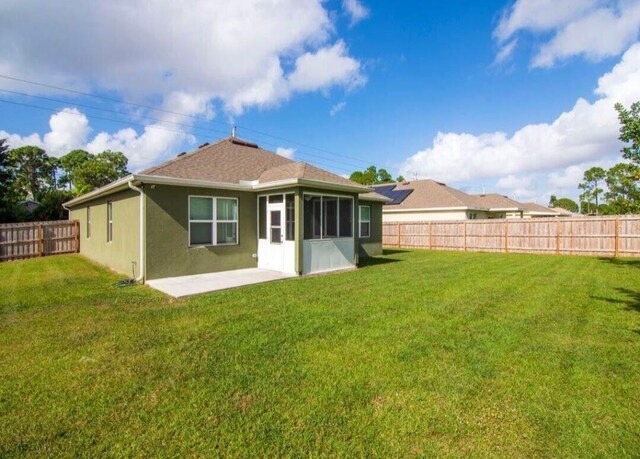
point(38, 239)
point(610, 236)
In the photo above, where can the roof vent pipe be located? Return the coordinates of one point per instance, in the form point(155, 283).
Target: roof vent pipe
point(233, 132)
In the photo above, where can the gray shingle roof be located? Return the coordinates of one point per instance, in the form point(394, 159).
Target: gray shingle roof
point(233, 160)
point(431, 194)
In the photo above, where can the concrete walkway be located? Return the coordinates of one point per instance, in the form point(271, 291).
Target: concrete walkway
point(203, 283)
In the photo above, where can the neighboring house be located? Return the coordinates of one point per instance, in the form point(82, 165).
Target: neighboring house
point(226, 206)
point(428, 200)
point(499, 206)
point(28, 206)
point(533, 210)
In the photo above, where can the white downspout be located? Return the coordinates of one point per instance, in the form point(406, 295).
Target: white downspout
point(140, 277)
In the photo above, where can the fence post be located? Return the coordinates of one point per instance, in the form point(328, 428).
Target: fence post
point(506, 236)
point(398, 228)
point(616, 240)
point(76, 227)
point(430, 236)
point(40, 240)
point(465, 236)
point(557, 236)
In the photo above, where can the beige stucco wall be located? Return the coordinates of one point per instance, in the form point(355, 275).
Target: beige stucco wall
point(124, 249)
point(420, 216)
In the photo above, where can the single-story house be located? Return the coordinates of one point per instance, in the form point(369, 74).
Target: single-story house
point(226, 206)
point(428, 200)
point(533, 210)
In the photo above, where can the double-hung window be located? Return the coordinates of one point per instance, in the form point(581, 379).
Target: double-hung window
point(213, 221)
point(109, 221)
point(365, 221)
point(88, 222)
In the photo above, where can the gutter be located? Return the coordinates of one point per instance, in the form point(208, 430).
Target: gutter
point(141, 259)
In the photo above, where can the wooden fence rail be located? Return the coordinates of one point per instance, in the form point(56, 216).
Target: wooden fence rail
point(38, 239)
point(609, 236)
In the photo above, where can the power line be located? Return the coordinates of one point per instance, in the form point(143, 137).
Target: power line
point(205, 131)
point(162, 128)
point(95, 96)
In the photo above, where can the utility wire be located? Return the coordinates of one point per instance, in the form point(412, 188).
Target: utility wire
point(162, 128)
point(148, 107)
point(205, 131)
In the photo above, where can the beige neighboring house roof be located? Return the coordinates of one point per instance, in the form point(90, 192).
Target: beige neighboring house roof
point(429, 194)
point(231, 163)
point(538, 209)
point(498, 202)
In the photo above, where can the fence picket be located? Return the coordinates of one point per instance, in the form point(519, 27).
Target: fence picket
point(601, 236)
point(37, 239)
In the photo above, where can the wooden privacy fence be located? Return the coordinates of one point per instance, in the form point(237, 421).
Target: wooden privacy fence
point(601, 236)
point(37, 239)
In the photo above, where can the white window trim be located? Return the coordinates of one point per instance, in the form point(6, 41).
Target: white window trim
point(109, 221)
point(284, 216)
point(213, 222)
point(329, 195)
point(88, 222)
point(360, 221)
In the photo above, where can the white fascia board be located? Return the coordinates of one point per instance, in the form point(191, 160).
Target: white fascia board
point(163, 180)
point(311, 183)
point(376, 199)
point(113, 187)
point(505, 209)
point(122, 184)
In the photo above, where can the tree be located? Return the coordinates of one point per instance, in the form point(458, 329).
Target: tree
point(563, 203)
point(592, 178)
point(623, 195)
point(99, 170)
point(50, 207)
point(34, 171)
point(373, 176)
point(7, 194)
point(400, 179)
point(70, 163)
point(630, 131)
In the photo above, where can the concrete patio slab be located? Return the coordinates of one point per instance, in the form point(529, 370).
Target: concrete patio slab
point(211, 282)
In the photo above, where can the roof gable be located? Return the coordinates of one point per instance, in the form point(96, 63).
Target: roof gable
point(230, 160)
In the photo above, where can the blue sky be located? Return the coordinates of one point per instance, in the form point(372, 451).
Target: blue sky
point(509, 97)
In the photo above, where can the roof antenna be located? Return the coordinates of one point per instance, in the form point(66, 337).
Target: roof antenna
point(233, 132)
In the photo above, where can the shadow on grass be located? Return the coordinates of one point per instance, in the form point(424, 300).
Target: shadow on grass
point(632, 301)
point(394, 251)
point(374, 261)
point(622, 262)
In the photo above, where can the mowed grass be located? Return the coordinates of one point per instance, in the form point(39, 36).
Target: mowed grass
point(416, 354)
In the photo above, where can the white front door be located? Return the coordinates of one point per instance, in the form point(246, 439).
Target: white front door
point(276, 249)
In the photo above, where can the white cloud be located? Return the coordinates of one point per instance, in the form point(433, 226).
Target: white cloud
point(355, 10)
point(329, 66)
point(586, 133)
point(506, 51)
point(236, 52)
point(595, 29)
point(286, 152)
point(69, 129)
point(337, 108)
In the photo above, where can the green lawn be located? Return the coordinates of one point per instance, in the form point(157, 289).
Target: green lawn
point(417, 353)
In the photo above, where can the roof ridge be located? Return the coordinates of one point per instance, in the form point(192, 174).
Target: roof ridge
point(178, 158)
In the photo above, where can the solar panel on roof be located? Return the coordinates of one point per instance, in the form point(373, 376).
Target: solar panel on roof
point(396, 196)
